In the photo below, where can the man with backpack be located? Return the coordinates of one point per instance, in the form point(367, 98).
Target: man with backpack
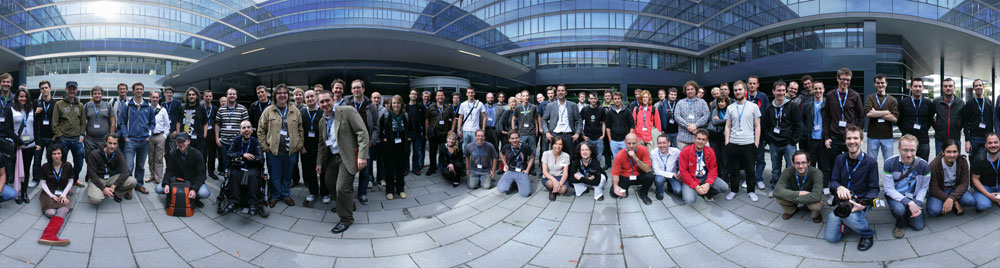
point(185, 168)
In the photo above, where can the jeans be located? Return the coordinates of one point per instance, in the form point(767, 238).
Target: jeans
point(74, 145)
point(599, 149)
point(760, 164)
point(978, 143)
point(885, 144)
point(616, 146)
point(135, 157)
point(934, 205)
point(898, 210)
point(417, 147)
point(939, 147)
point(468, 137)
point(363, 179)
point(923, 150)
point(36, 168)
point(671, 137)
point(777, 152)
point(856, 221)
point(982, 202)
point(511, 177)
point(530, 140)
point(689, 195)
point(203, 191)
point(224, 157)
point(8, 193)
point(477, 178)
point(280, 169)
point(660, 181)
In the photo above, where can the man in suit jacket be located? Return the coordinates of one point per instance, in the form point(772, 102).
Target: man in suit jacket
point(562, 119)
point(344, 151)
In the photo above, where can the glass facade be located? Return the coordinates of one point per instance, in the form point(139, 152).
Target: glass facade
point(580, 57)
point(71, 65)
point(656, 60)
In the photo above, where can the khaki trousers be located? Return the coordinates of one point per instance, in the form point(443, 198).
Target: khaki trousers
point(96, 195)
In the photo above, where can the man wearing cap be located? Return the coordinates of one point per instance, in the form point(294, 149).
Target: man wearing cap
point(186, 164)
point(68, 123)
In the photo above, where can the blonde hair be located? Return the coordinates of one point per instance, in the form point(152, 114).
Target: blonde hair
point(452, 135)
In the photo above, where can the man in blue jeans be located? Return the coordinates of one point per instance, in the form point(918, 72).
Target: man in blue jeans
point(977, 121)
point(138, 121)
point(781, 130)
point(855, 177)
point(905, 180)
point(665, 167)
point(985, 178)
point(68, 124)
point(43, 129)
point(416, 113)
point(882, 112)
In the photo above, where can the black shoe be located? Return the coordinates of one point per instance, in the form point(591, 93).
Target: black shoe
point(333, 209)
point(340, 228)
point(866, 243)
point(431, 172)
point(253, 210)
point(601, 198)
point(646, 200)
point(363, 199)
point(229, 208)
point(213, 176)
point(197, 203)
point(117, 199)
point(17, 199)
point(659, 197)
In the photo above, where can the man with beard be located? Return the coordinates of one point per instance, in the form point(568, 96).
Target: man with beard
point(855, 176)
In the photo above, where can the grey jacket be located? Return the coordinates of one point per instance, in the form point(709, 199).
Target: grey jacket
point(551, 117)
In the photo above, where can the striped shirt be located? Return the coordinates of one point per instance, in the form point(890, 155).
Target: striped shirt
point(229, 122)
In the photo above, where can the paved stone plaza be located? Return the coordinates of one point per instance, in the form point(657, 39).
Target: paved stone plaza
point(441, 226)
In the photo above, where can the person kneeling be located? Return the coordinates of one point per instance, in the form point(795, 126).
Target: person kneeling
point(698, 170)
point(57, 184)
point(100, 166)
point(186, 164)
point(517, 158)
point(587, 171)
point(634, 163)
point(801, 184)
point(905, 183)
point(855, 180)
point(949, 189)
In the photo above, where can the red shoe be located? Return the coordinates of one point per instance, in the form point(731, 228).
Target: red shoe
point(49, 236)
point(416, 173)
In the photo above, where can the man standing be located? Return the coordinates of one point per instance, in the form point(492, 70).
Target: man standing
point(905, 182)
point(812, 126)
point(562, 118)
point(783, 128)
point(310, 123)
point(227, 123)
point(525, 121)
point(470, 116)
point(171, 105)
point(211, 145)
point(690, 115)
point(801, 184)
point(190, 118)
point(632, 167)
point(281, 135)
point(948, 123)
point(257, 107)
point(763, 103)
point(68, 124)
point(621, 124)
point(139, 121)
point(915, 116)
point(158, 140)
point(881, 110)
point(843, 108)
point(100, 120)
point(345, 151)
point(667, 108)
point(855, 177)
point(438, 122)
point(416, 113)
point(491, 115)
point(43, 130)
point(594, 125)
point(977, 122)
point(742, 137)
point(369, 115)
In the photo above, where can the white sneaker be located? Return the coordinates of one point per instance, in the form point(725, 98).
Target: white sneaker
point(753, 196)
point(32, 184)
point(326, 199)
point(829, 201)
point(744, 185)
point(826, 191)
point(730, 196)
point(760, 185)
point(310, 198)
point(770, 194)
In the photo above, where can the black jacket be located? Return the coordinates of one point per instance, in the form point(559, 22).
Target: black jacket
point(620, 123)
point(41, 129)
point(389, 136)
point(909, 115)
point(252, 146)
point(789, 126)
point(806, 118)
point(971, 117)
point(190, 166)
point(948, 122)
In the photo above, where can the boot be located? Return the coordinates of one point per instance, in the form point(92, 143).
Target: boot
point(49, 236)
point(24, 193)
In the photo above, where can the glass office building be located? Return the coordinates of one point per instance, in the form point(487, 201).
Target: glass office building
point(497, 45)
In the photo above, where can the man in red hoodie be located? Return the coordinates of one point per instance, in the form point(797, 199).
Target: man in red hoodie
point(699, 171)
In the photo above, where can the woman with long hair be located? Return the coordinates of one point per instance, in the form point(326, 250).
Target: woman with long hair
point(452, 160)
point(716, 135)
point(20, 129)
point(394, 141)
point(57, 184)
point(647, 120)
point(586, 171)
point(555, 168)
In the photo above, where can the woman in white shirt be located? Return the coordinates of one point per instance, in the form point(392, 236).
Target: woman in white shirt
point(555, 168)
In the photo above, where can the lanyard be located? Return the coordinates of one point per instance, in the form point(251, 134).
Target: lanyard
point(780, 111)
point(58, 174)
point(671, 107)
point(981, 107)
point(357, 106)
point(664, 160)
point(208, 111)
point(644, 114)
point(312, 117)
point(916, 105)
point(426, 105)
point(882, 102)
point(24, 118)
point(632, 165)
point(283, 113)
point(996, 168)
point(802, 181)
point(517, 155)
point(842, 101)
point(739, 117)
point(185, 156)
point(583, 168)
point(848, 164)
point(479, 150)
point(440, 111)
point(722, 114)
point(107, 161)
point(45, 106)
point(247, 150)
point(701, 157)
point(96, 111)
point(259, 107)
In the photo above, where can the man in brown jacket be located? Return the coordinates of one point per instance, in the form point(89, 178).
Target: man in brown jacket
point(949, 185)
point(344, 150)
point(280, 133)
point(881, 111)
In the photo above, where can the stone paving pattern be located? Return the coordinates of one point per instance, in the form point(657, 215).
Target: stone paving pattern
point(441, 226)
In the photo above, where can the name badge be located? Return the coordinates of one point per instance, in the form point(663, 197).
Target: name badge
point(58, 193)
point(489, 119)
point(398, 140)
point(818, 127)
point(25, 138)
point(777, 131)
point(479, 166)
point(329, 143)
point(690, 117)
point(283, 133)
point(645, 129)
point(244, 169)
point(107, 176)
point(517, 170)
point(210, 127)
point(97, 125)
point(671, 121)
point(916, 126)
point(441, 122)
point(194, 136)
point(527, 125)
point(982, 125)
point(229, 128)
point(880, 120)
point(312, 134)
point(632, 178)
point(44, 122)
point(842, 123)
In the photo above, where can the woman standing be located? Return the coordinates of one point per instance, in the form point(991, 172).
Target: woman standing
point(647, 121)
point(20, 128)
point(57, 183)
point(452, 160)
point(587, 171)
point(716, 136)
point(394, 133)
point(555, 168)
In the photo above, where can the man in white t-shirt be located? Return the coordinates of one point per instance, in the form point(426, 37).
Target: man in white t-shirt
point(470, 114)
point(665, 167)
point(742, 138)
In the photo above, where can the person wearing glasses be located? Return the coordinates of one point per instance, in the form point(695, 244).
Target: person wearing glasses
point(905, 181)
point(800, 184)
point(842, 109)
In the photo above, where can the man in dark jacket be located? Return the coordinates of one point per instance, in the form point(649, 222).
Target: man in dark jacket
point(948, 122)
point(977, 121)
point(783, 129)
point(369, 114)
point(915, 115)
point(186, 164)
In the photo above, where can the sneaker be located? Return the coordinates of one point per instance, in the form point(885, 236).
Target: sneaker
point(826, 191)
point(744, 185)
point(363, 199)
point(32, 184)
point(388, 196)
point(752, 196)
point(898, 232)
point(708, 198)
point(326, 199)
point(760, 185)
point(770, 194)
point(829, 201)
point(730, 196)
point(402, 195)
point(310, 198)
